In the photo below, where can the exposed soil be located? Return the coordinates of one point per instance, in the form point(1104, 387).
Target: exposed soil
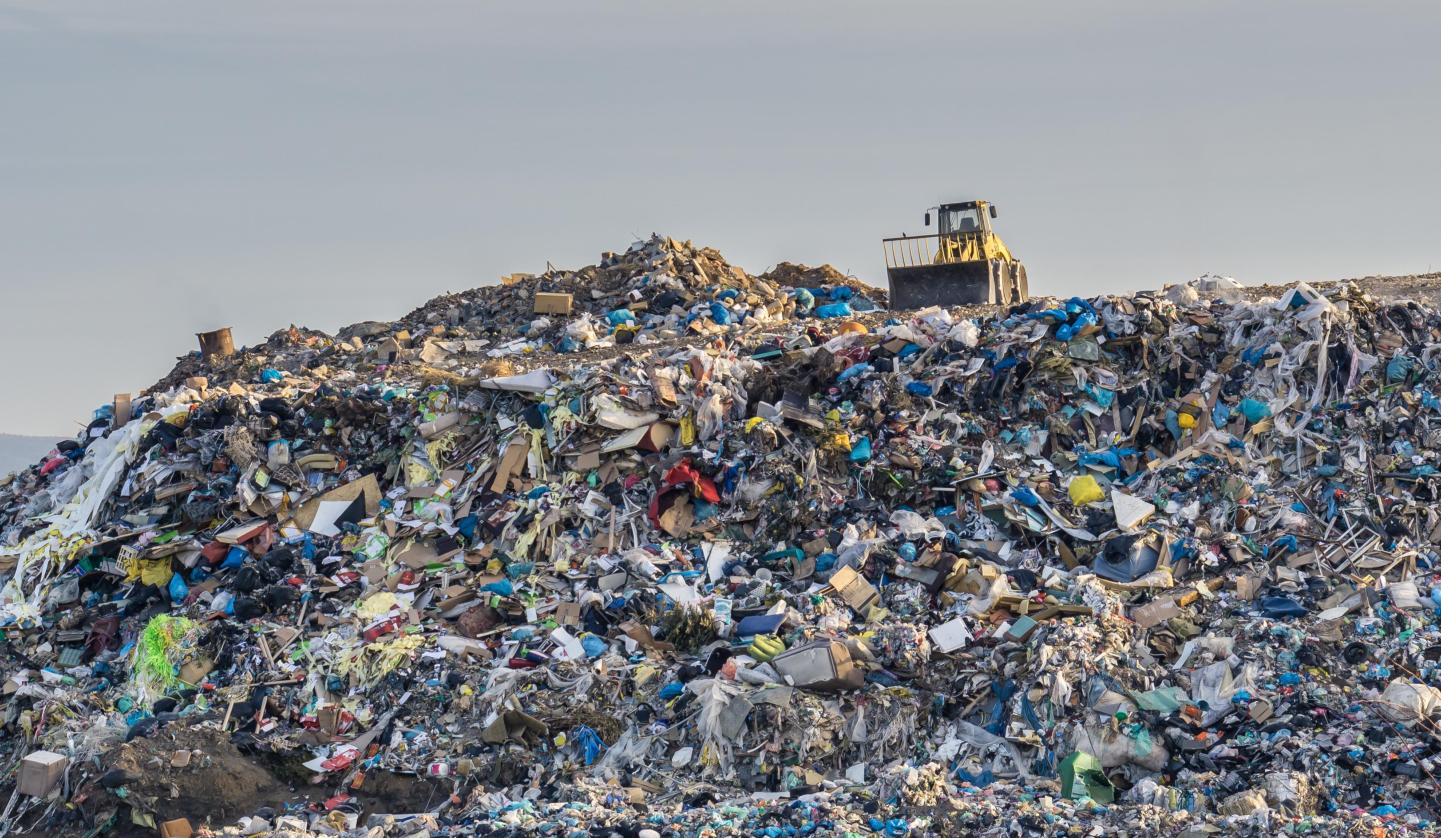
point(219, 785)
point(387, 793)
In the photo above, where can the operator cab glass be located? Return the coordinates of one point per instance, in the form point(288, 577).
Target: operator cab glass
point(960, 220)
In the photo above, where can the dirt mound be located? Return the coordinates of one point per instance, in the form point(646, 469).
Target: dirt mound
point(196, 773)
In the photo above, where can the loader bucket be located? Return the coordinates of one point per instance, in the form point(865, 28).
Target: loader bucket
point(991, 282)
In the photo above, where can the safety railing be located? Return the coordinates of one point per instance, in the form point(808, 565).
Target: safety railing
point(935, 249)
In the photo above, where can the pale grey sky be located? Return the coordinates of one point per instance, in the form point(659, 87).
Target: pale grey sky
point(169, 166)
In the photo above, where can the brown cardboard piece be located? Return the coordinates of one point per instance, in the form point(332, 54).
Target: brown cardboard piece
point(40, 773)
point(511, 463)
point(586, 459)
point(855, 589)
point(640, 634)
point(652, 437)
point(664, 389)
point(243, 533)
point(367, 486)
point(1155, 613)
point(121, 408)
point(679, 518)
point(568, 613)
point(418, 554)
point(194, 670)
point(328, 717)
point(513, 725)
point(178, 828)
point(816, 546)
point(552, 303)
point(1247, 586)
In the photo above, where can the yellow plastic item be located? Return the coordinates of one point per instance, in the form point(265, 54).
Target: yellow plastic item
point(1185, 420)
point(1085, 489)
point(764, 647)
point(851, 327)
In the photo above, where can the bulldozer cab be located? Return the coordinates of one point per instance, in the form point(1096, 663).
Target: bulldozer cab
point(964, 263)
point(970, 217)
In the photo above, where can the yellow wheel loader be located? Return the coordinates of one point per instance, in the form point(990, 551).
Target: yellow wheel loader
point(965, 263)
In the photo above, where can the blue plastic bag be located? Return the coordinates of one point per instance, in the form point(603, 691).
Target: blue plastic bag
point(1070, 330)
point(236, 557)
point(1281, 607)
point(1026, 497)
point(1254, 410)
point(502, 587)
point(1397, 369)
point(178, 589)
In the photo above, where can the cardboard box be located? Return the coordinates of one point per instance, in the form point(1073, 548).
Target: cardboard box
point(855, 589)
point(40, 773)
point(823, 665)
point(178, 828)
point(547, 303)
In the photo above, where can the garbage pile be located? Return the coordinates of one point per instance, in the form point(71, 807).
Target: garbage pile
point(1153, 564)
point(658, 289)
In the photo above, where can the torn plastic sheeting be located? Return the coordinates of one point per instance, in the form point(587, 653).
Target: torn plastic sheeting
point(611, 413)
point(535, 381)
point(1131, 559)
point(979, 737)
point(1407, 702)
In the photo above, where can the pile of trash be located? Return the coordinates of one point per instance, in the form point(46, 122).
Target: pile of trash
point(1158, 564)
point(659, 289)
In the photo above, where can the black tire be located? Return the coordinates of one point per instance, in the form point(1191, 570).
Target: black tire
point(1000, 284)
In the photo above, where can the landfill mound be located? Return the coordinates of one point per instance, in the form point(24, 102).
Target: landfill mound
point(713, 554)
point(658, 291)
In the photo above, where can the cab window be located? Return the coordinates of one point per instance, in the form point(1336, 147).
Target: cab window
point(960, 220)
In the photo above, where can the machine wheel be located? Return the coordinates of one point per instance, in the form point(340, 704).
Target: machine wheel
point(1000, 283)
point(1023, 288)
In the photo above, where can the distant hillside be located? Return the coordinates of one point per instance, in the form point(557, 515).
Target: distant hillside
point(17, 452)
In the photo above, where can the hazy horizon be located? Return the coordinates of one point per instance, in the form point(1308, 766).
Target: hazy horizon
point(172, 167)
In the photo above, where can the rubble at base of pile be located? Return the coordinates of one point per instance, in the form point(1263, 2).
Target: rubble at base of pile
point(714, 554)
